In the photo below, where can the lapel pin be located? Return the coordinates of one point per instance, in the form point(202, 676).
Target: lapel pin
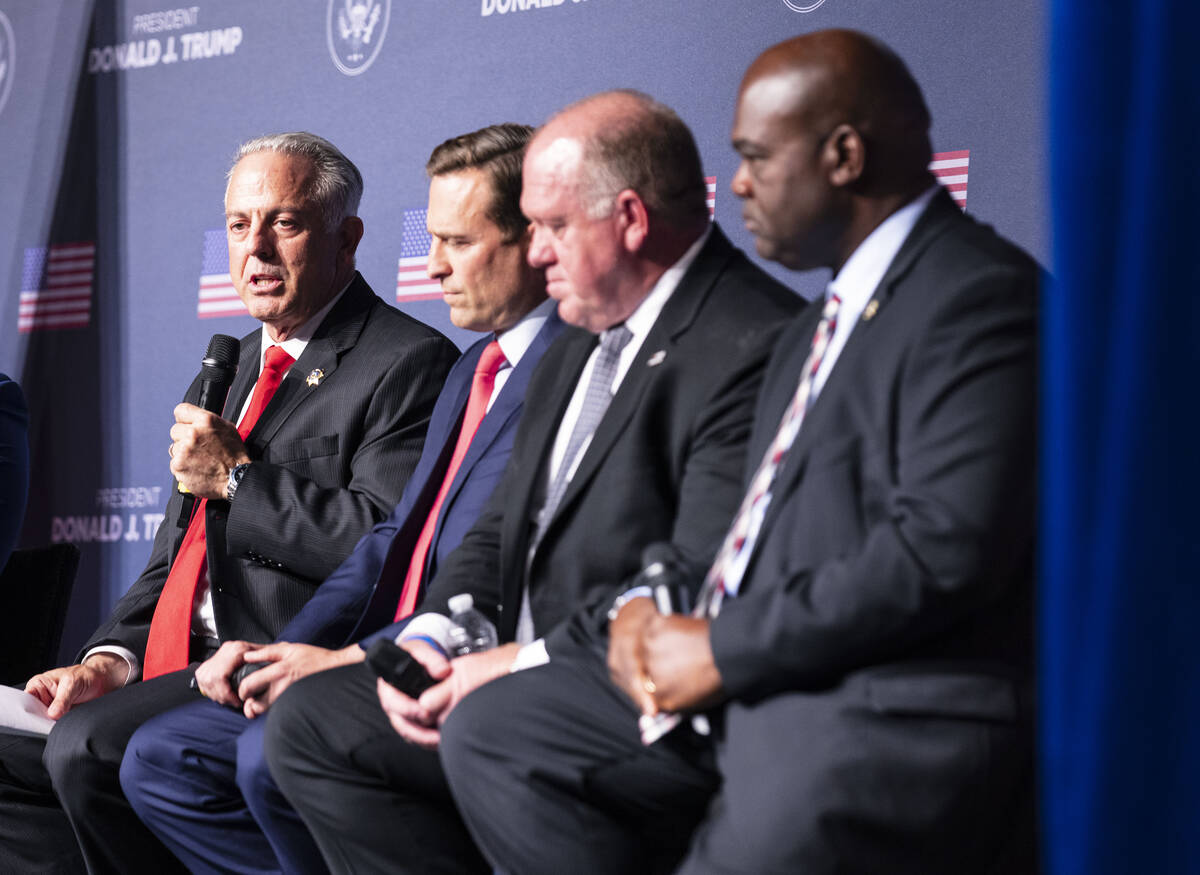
point(315, 378)
point(657, 359)
point(872, 309)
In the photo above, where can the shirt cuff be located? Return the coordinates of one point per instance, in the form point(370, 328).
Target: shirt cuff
point(637, 592)
point(531, 655)
point(135, 665)
point(434, 626)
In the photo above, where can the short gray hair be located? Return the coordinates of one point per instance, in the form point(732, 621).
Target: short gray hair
point(336, 188)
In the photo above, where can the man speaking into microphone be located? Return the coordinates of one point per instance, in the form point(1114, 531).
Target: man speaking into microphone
point(323, 425)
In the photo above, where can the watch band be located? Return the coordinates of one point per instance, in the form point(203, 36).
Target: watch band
point(235, 477)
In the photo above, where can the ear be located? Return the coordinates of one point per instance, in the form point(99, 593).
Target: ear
point(348, 237)
point(844, 155)
point(633, 220)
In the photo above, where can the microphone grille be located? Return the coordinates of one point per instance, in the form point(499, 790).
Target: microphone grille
point(224, 349)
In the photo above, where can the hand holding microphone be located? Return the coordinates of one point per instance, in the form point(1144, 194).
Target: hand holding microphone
point(200, 438)
point(658, 654)
point(206, 449)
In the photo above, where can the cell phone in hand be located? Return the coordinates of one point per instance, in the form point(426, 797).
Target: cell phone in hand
point(396, 666)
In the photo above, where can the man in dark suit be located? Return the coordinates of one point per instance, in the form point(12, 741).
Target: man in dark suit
point(323, 450)
point(638, 436)
point(862, 646)
point(177, 764)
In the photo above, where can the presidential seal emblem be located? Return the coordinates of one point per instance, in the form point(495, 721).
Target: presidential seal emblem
point(8, 49)
point(355, 31)
point(797, 6)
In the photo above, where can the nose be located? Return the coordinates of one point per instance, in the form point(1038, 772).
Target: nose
point(438, 265)
point(260, 240)
point(541, 250)
point(740, 184)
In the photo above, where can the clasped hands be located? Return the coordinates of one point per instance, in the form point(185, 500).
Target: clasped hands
point(204, 449)
point(419, 720)
point(663, 662)
point(258, 691)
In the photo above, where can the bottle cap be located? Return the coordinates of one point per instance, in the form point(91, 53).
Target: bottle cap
point(461, 603)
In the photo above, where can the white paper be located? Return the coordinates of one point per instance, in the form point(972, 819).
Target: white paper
point(22, 712)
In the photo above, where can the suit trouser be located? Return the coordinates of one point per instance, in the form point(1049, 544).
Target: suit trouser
point(60, 796)
point(197, 778)
point(551, 776)
point(373, 802)
point(547, 772)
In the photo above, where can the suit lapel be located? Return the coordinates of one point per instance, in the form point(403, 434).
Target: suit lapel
point(775, 398)
point(676, 317)
point(543, 418)
point(336, 334)
point(506, 406)
point(247, 375)
point(940, 214)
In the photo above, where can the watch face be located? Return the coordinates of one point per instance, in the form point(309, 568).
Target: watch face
point(235, 477)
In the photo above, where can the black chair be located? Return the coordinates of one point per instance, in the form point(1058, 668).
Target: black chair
point(35, 589)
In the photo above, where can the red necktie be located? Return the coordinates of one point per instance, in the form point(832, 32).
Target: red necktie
point(481, 391)
point(171, 628)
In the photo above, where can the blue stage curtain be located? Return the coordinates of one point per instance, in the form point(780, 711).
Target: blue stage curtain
point(1120, 569)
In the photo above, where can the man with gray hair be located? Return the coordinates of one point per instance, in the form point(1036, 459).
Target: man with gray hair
point(332, 398)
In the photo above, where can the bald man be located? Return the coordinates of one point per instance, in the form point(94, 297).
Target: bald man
point(862, 646)
point(637, 435)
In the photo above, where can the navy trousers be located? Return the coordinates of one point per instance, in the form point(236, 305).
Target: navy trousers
point(197, 778)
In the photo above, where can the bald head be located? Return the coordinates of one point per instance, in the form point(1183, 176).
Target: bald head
point(834, 136)
point(834, 77)
point(628, 140)
point(615, 195)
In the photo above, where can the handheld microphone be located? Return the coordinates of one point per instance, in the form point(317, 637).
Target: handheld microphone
point(667, 574)
point(217, 370)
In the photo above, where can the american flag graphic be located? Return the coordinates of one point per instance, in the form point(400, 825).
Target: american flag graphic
point(412, 282)
point(217, 295)
point(710, 186)
point(950, 168)
point(56, 287)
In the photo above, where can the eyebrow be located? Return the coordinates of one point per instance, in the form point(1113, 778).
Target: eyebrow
point(286, 208)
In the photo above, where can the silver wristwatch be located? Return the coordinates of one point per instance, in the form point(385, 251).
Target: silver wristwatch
point(235, 477)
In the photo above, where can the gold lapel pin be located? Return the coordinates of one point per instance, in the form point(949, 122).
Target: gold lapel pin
point(872, 309)
point(657, 359)
point(315, 378)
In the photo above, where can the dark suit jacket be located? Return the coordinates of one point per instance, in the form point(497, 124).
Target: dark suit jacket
point(665, 463)
point(892, 580)
point(361, 596)
point(330, 460)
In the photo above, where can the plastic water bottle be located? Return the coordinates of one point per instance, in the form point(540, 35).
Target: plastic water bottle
point(472, 632)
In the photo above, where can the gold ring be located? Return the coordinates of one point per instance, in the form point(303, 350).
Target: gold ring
point(171, 450)
point(649, 686)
